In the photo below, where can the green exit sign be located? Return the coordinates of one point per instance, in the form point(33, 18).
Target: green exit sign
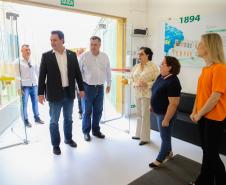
point(67, 3)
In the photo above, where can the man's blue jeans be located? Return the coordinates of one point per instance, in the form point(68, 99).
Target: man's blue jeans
point(54, 111)
point(165, 134)
point(31, 91)
point(92, 105)
point(79, 104)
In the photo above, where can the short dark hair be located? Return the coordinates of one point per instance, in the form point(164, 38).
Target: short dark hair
point(59, 33)
point(174, 64)
point(148, 52)
point(95, 38)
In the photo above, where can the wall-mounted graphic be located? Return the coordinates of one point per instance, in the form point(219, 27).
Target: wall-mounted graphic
point(183, 34)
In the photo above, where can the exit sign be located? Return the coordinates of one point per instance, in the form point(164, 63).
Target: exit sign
point(67, 3)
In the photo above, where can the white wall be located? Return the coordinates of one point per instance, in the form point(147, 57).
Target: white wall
point(160, 10)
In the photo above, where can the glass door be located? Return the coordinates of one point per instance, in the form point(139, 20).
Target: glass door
point(9, 101)
point(116, 111)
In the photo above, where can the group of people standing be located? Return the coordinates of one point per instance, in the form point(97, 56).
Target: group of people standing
point(155, 91)
point(59, 73)
point(56, 80)
point(160, 94)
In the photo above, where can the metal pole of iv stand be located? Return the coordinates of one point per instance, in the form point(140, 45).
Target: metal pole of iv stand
point(13, 17)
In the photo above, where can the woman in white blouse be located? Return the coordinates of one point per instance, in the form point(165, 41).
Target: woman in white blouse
point(143, 75)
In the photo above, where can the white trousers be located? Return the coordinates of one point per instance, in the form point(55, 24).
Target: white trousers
point(143, 119)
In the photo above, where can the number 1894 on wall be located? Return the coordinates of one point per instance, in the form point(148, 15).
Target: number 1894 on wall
point(189, 19)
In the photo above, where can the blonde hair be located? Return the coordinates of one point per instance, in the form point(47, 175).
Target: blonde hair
point(214, 46)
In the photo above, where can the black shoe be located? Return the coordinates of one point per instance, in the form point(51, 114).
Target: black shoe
point(134, 137)
point(99, 135)
point(87, 137)
point(71, 143)
point(143, 143)
point(56, 150)
point(39, 121)
point(155, 164)
point(27, 123)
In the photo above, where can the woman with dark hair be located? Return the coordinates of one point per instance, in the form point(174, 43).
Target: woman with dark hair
point(164, 102)
point(143, 75)
point(209, 110)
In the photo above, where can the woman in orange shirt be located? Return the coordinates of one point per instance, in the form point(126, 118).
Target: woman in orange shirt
point(210, 109)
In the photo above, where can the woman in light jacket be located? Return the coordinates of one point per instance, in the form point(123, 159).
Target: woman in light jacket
point(143, 76)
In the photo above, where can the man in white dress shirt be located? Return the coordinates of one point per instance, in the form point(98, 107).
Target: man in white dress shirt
point(27, 84)
point(95, 69)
